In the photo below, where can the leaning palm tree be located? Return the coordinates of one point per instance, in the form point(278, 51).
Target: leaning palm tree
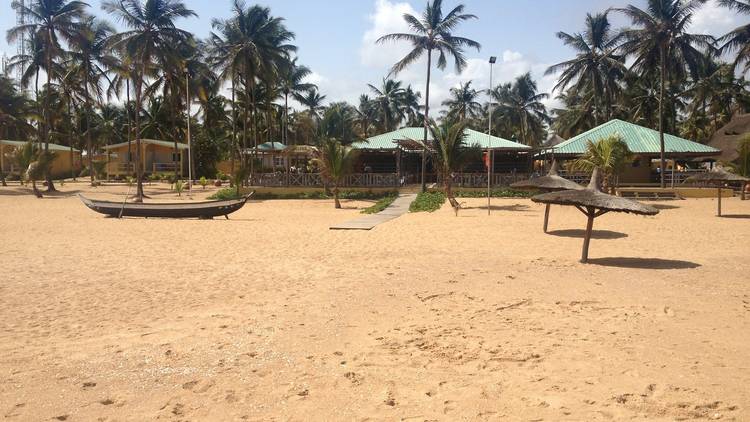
point(292, 79)
point(462, 103)
point(596, 70)
point(450, 152)
point(152, 37)
point(335, 162)
point(433, 32)
point(659, 40)
point(739, 39)
point(609, 154)
point(312, 101)
point(51, 21)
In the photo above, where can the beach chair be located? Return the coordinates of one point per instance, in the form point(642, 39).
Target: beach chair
point(455, 204)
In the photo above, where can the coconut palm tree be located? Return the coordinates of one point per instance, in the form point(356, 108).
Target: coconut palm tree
point(292, 79)
point(659, 40)
point(610, 155)
point(152, 37)
point(520, 107)
point(51, 21)
point(335, 162)
point(450, 152)
point(338, 122)
point(411, 105)
point(91, 60)
point(596, 70)
point(433, 33)
point(739, 39)
point(312, 101)
point(389, 98)
point(31, 64)
point(462, 103)
point(366, 115)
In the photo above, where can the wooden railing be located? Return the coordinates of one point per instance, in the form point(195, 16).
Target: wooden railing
point(477, 180)
point(164, 167)
point(472, 180)
point(116, 168)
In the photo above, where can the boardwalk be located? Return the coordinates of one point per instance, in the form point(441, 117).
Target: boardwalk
point(399, 207)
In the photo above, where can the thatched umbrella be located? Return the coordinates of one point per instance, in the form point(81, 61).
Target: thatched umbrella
point(593, 203)
point(717, 176)
point(552, 182)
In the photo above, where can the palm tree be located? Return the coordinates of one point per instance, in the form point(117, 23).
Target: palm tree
point(463, 103)
point(433, 32)
point(51, 21)
point(338, 122)
point(519, 106)
point(660, 41)
point(31, 64)
point(91, 60)
point(366, 115)
point(738, 39)
point(312, 101)
point(251, 44)
point(292, 80)
point(411, 105)
point(596, 69)
point(335, 162)
point(450, 152)
point(152, 37)
point(609, 154)
point(577, 116)
point(389, 98)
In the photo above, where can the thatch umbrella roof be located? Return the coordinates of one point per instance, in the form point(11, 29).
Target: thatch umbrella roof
point(717, 176)
point(549, 183)
point(593, 203)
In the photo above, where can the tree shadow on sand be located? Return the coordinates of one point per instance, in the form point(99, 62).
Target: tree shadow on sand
point(664, 206)
point(595, 234)
point(737, 216)
point(644, 263)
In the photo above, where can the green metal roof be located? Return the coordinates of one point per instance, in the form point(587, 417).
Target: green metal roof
point(640, 140)
point(166, 144)
point(388, 140)
point(19, 144)
point(271, 146)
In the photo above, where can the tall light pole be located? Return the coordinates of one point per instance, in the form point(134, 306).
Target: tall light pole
point(190, 150)
point(493, 59)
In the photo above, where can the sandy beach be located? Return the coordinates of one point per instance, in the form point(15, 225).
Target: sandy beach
point(271, 316)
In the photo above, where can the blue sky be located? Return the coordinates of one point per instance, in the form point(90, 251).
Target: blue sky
point(336, 37)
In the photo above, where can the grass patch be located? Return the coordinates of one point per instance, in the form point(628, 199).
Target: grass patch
point(382, 204)
point(427, 202)
point(495, 193)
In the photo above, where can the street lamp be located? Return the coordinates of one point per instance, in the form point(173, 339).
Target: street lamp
point(190, 150)
point(493, 59)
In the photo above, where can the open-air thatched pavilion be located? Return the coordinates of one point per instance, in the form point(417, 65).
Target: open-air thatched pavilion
point(718, 177)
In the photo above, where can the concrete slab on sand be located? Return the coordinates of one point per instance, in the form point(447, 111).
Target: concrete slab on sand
point(399, 207)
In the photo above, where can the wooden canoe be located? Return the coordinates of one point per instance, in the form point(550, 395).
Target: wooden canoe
point(202, 210)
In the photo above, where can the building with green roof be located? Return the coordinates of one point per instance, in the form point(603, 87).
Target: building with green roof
point(400, 152)
point(644, 144)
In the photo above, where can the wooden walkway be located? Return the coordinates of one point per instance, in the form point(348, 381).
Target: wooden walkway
point(399, 207)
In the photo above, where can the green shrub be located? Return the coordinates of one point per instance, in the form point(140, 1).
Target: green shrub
point(179, 186)
point(382, 204)
point(203, 181)
point(226, 193)
point(427, 201)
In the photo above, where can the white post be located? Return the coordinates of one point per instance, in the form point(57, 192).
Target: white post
point(190, 150)
point(489, 142)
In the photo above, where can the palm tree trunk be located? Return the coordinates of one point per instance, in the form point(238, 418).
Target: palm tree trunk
point(286, 118)
point(336, 201)
point(88, 124)
point(47, 120)
point(663, 161)
point(138, 167)
point(233, 152)
point(426, 119)
point(130, 129)
point(254, 116)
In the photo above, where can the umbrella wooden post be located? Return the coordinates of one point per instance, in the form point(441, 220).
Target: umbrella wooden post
point(546, 217)
point(719, 203)
point(587, 238)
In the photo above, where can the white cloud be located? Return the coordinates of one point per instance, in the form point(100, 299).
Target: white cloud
point(387, 18)
point(713, 19)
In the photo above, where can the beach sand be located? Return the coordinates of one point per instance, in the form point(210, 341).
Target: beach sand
point(271, 316)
